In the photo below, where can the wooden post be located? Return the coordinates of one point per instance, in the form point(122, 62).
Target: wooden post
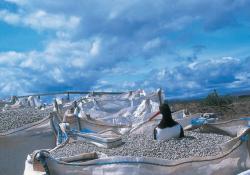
point(13, 99)
point(159, 96)
point(56, 106)
point(130, 93)
point(68, 98)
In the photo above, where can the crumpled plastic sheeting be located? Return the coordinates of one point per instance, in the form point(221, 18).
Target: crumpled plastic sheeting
point(179, 114)
point(31, 101)
point(124, 109)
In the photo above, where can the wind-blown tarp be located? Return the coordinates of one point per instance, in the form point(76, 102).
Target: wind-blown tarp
point(125, 109)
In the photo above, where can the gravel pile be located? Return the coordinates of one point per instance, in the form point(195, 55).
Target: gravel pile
point(193, 144)
point(16, 118)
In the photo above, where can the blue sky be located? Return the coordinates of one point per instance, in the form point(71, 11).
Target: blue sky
point(186, 47)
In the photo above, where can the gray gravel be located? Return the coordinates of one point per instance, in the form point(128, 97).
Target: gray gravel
point(16, 118)
point(193, 144)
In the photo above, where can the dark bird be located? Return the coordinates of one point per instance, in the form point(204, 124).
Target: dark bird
point(167, 128)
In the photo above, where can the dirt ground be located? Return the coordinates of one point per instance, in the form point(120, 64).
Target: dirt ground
point(239, 108)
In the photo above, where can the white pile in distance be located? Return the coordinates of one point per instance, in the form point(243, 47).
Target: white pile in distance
point(16, 118)
point(121, 109)
point(193, 144)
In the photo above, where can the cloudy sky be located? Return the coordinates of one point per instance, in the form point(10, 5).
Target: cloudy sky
point(186, 47)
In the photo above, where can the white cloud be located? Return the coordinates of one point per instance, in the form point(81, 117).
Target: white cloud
point(56, 73)
point(186, 81)
point(192, 85)
point(78, 63)
point(95, 49)
point(13, 81)
point(11, 58)
point(242, 79)
point(89, 41)
point(161, 74)
point(41, 20)
point(192, 65)
point(152, 44)
point(10, 18)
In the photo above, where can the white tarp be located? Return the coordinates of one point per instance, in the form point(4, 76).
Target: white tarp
point(17, 143)
point(125, 109)
point(234, 158)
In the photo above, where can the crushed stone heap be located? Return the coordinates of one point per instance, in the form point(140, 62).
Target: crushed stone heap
point(16, 118)
point(193, 144)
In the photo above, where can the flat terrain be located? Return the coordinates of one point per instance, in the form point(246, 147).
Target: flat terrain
point(240, 107)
